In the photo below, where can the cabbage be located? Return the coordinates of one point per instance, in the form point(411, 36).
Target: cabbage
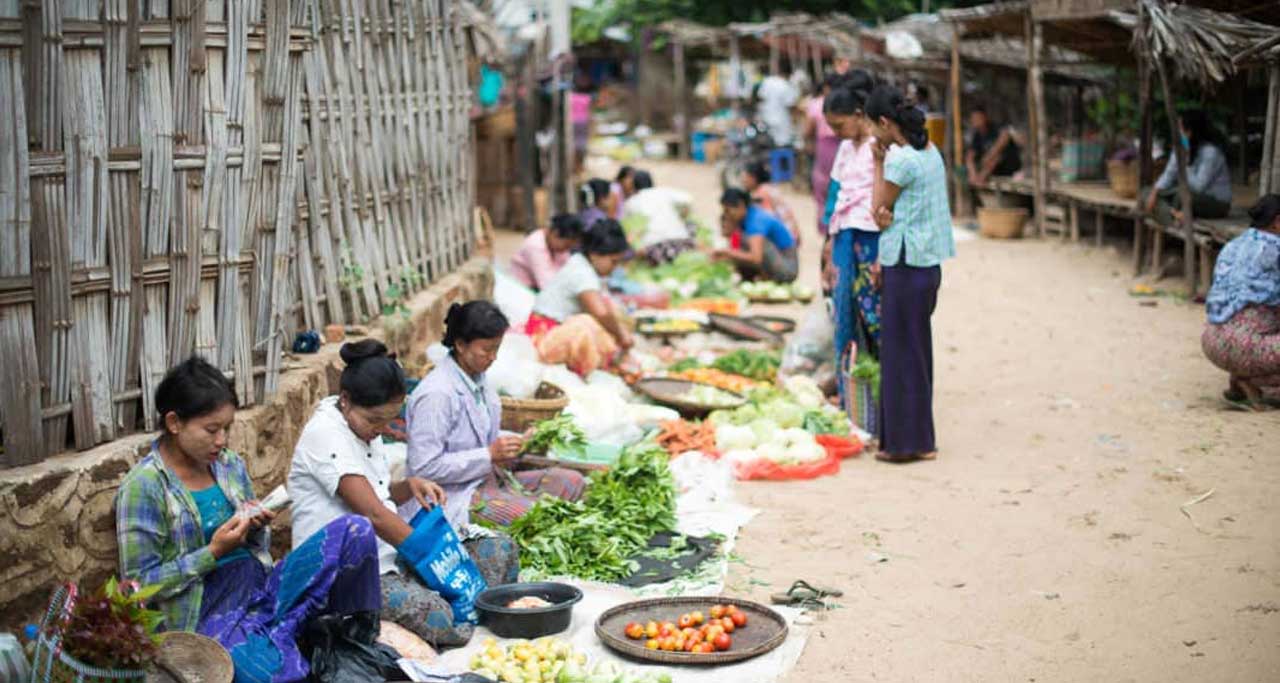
point(733, 437)
point(805, 390)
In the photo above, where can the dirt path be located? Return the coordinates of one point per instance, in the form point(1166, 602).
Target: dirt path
point(1048, 542)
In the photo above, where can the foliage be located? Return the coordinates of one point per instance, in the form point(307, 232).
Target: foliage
point(867, 369)
point(558, 433)
point(112, 628)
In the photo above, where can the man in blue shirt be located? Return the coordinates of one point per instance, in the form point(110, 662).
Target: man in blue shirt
point(767, 250)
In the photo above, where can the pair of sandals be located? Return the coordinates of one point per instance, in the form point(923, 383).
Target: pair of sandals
point(804, 595)
point(902, 458)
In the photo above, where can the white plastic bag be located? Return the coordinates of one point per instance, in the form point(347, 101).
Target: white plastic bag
point(516, 372)
point(512, 298)
point(812, 345)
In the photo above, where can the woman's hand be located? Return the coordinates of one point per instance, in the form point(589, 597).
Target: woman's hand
point(505, 448)
point(1151, 201)
point(626, 341)
point(878, 150)
point(830, 276)
point(426, 492)
point(884, 217)
point(229, 536)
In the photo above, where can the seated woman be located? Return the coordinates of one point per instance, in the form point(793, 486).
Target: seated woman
point(1243, 333)
point(768, 250)
point(183, 524)
point(662, 231)
point(340, 468)
point(755, 180)
point(622, 187)
point(453, 421)
point(573, 321)
point(1208, 175)
point(544, 252)
point(600, 203)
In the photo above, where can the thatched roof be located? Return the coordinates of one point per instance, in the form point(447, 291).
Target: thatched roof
point(1202, 44)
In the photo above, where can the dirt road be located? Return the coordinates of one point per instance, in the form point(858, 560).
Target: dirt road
point(1052, 540)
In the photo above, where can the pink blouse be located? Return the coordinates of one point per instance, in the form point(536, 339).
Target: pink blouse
point(533, 264)
point(855, 170)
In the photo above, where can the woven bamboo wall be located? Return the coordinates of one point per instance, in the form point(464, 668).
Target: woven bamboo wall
point(211, 176)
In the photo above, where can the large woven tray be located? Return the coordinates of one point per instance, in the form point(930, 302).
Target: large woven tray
point(742, 328)
point(765, 629)
point(669, 392)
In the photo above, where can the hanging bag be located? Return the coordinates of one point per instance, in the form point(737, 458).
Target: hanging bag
point(436, 554)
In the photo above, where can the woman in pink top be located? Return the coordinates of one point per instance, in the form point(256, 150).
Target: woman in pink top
point(544, 252)
point(825, 143)
point(854, 237)
point(580, 115)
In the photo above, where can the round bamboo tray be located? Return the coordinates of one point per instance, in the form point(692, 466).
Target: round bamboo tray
point(1001, 223)
point(191, 658)
point(519, 414)
point(765, 629)
point(670, 392)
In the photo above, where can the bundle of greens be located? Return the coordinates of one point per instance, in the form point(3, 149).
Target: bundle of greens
point(560, 433)
point(867, 369)
point(691, 275)
point(758, 365)
point(595, 537)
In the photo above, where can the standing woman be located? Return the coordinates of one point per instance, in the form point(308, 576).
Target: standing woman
point(453, 426)
point(826, 142)
point(340, 468)
point(854, 242)
point(911, 207)
point(186, 522)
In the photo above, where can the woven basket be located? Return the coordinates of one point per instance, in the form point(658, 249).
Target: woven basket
point(1001, 223)
point(519, 414)
point(51, 664)
point(1123, 176)
point(499, 124)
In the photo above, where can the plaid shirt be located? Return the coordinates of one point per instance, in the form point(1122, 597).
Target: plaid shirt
point(161, 542)
point(922, 215)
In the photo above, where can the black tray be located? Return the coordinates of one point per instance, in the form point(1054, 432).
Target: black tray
point(506, 622)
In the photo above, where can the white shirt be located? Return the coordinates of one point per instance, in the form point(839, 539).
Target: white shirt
point(327, 451)
point(559, 299)
point(661, 208)
point(777, 97)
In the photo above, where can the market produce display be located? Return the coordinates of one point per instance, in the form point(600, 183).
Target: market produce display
point(550, 660)
point(560, 433)
point(758, 365)
point(692, 632)
point(716, 378)
point(594, 538)
point(669, 326)
point(712, 397)
point(682, 436)
point(723, 306)
point(775, 291)
point(692, 275)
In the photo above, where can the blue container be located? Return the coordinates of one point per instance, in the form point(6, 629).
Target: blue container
point(695, 145)
point(782, 164)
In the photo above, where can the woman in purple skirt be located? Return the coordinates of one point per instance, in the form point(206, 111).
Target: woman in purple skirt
point(911, 208)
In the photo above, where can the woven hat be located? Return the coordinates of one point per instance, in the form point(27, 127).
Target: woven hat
point(191, 658)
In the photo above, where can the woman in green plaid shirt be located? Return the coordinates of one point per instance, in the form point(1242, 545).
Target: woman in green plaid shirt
point(911, 208)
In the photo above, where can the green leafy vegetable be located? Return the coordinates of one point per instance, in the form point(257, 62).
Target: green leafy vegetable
point(758, 365)
point(594, 538)
point(867, 369)
point(691, 275)
point(685, 364)
point(558, 433)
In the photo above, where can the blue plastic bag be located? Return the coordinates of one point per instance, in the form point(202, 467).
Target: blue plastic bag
point(436, 553)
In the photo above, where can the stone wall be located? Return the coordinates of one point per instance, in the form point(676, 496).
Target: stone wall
point(57, 521)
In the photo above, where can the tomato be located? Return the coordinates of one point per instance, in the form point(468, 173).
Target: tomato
point(723, 642)
point(715, 630)
point(685, 621)
point(689, 633)
point(651, 644)
point(634, 631)
point(697, 618)
point(739, 619)
point(717, 611)
point(651, 629)
point(667, 629)
point(727, 624)
point(690, 644)
point(668, 643)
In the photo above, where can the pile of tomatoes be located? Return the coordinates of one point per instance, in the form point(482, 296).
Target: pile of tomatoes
point(693, 632)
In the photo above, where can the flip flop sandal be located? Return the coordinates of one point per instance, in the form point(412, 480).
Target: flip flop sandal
point(802, 592)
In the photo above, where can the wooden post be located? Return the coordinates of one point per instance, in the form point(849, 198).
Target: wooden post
point(1099, 225)
point(526, 151)
point(1035, 108)
point(1184, 190)
point(775, 58)
point(1144, 149)
point(959, 172)
point(1242, 130)
point(1269, 174)
point(682, 100)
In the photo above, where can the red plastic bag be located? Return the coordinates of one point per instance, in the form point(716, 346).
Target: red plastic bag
point(840, 446)
point(764, 468)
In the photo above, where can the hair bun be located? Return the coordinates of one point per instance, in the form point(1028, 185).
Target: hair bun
point(355, 352)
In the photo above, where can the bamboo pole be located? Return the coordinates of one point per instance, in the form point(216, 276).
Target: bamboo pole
point(1184, 189)
point(1269, 174)
point(1036, 114)
point(1140, 231)
point(960, 172)
point(682, 100)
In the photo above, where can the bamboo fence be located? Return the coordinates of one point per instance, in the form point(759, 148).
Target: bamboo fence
point(210, 177)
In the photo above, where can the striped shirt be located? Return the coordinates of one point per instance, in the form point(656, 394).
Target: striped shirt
point(921, 215)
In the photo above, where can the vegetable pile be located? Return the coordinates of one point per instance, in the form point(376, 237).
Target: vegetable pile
point(706, 395)
point(594, 538)
point(775, 291)
point(690, 276)
point(779, 425)
point(758, 365)
point(722, 306)
point(716, 378)
point(682, 436)
point(560, 433)
point(692, 632)
point(550, 660)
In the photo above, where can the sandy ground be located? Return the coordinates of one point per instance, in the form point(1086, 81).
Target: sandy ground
point(1049, 541)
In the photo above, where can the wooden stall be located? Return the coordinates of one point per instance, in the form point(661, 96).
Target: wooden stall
point(209, 177)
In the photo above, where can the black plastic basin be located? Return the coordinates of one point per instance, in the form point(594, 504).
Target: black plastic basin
point(506, 622)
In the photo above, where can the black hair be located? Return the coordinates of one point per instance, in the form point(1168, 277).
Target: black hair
point(592, 192)
point(623, 173)
point(193, 388)
point(860, 79)
point(845, 101)
point(473, 320)
point(834, 80)
point(887, 102)
point(567, 226)
point(922, 92)
point(1265, 212)
point(606, 237)
point(642, 181)
point(1200, 130)
point(759, 170)
point(978, 109)
point(735, 197)
point(372, 378)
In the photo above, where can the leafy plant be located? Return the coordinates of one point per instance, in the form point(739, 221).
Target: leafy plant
point(558, 433)
point(867, 369)
point(112, 628)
